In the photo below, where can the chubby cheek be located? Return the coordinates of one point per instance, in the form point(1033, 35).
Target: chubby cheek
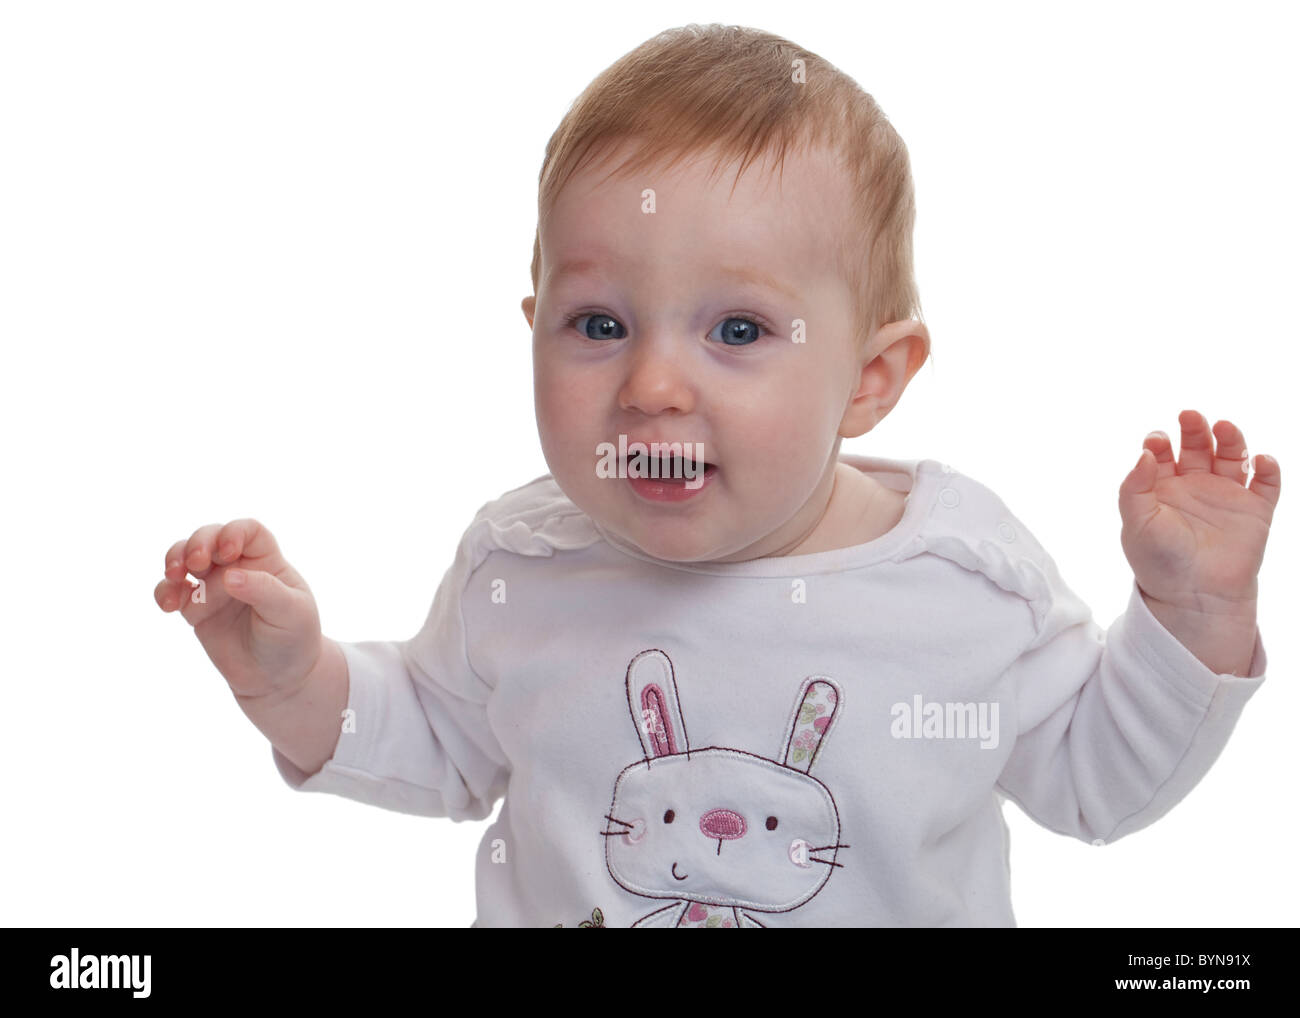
point(549, 393)
point(784, 454)
point(565, 428)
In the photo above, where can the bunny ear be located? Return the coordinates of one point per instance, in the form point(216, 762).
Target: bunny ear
point(652, 698)
point(815, 710)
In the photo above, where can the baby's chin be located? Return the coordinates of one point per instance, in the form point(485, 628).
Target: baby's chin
point(673, 532)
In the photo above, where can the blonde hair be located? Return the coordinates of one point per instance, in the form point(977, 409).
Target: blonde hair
point(729, 89)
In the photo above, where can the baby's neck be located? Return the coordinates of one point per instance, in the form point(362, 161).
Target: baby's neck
point(861, 509)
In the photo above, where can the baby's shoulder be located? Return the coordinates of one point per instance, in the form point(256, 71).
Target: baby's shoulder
point(536, 518)
point(968, 523)
point(964, 504)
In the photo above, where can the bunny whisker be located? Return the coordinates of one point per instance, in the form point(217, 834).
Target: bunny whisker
point(616, 820)
point(612, 834)
point(822, 848)
point(826, 862)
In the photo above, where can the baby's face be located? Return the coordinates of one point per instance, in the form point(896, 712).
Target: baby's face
point(691, 309)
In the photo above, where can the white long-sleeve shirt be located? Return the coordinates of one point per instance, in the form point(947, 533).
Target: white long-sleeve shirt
point(810, 740)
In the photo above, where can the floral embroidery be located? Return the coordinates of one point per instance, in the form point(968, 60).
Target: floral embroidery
point(597, 921)
point(814, 715)
point(711, 917)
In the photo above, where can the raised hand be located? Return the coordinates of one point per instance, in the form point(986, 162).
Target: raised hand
point(1194, 531)
point(263, 633)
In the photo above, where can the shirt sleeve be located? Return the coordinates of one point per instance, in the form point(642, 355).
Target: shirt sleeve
point(417, 739)
point(1113, 727)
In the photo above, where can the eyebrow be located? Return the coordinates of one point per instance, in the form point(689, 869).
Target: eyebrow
point(743, 275)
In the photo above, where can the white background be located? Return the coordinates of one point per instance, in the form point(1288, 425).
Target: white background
point(265, 259)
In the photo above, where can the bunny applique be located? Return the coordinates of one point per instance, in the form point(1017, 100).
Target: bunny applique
point(718, 832)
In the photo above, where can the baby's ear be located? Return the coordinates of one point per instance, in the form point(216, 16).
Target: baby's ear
point(815, 708)
point(891, 356)
point(530, 306)
point(656, 711)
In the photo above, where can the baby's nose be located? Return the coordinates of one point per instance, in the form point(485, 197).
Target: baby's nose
point(722, 823)
point(657, 382)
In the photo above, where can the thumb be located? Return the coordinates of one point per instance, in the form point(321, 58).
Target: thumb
point(1137, 492)
point(276, 602)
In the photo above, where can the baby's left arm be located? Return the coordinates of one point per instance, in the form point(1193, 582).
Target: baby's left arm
point(1194, 534)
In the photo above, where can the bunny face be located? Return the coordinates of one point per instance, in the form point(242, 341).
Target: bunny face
point(720, 825)
point(723, 827)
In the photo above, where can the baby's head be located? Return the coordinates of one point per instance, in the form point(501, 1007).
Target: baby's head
point(761, 316)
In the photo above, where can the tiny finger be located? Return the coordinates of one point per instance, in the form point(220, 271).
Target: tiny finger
point(245, 538)
point(1231, 459)
point(174, 561)
point(1197, 443)
point(198, 549)
point(171, 594)
point(1267, 481)
point(1163, 450)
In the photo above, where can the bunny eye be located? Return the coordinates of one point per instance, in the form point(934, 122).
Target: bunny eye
point(771, 823)
point(668, 816)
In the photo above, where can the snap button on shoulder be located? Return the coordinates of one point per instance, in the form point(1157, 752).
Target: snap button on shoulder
point(1006, 532)
point(949, 497)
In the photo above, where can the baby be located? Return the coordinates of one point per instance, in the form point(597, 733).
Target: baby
point(723, 675)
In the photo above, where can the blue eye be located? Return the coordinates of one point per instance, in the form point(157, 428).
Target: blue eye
point(736, 331)
point(732, 337)
point(603, 329)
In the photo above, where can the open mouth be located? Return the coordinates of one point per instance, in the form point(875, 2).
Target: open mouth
point(667, 467)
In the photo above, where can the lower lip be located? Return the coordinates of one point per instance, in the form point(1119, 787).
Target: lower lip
point(671, 490)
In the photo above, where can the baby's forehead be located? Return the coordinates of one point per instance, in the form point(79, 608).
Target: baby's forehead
point(786, 217)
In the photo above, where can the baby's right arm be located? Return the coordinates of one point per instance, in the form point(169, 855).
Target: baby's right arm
point(263, 634)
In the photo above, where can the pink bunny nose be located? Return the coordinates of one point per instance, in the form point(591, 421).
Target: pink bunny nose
point(722, 823)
